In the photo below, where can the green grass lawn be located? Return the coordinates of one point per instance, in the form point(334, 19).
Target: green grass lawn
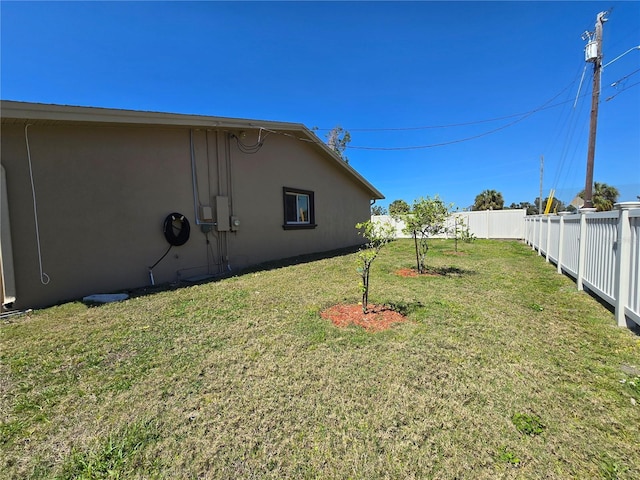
point(503, 371)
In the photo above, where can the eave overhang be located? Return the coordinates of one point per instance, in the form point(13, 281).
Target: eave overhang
point(13, 112)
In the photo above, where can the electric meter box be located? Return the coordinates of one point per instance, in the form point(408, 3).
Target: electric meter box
point(591, 51)
point(206, 214)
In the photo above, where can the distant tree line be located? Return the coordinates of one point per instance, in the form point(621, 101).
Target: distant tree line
point(604, 197)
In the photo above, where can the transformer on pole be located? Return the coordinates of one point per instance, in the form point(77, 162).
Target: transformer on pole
point(593, 53)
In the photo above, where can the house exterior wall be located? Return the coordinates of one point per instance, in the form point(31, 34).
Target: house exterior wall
point(103, 192)
point(258, 180)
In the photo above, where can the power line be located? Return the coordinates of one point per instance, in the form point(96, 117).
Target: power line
point(452, 125)
point(523, 116)
point(571, 142)
point(544, 106)
point(624, 89)
point(625, 77)
point(431, 127)
point(461, 124)
point(569, 112)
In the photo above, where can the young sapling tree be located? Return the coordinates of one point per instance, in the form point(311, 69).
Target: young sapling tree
point(377, 235)
point(461, 229)
point(427, 218)
point(457, 223)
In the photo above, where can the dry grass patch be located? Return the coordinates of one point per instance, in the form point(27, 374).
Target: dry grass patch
point(242, 378)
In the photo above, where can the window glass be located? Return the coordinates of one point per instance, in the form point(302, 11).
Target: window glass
point(303, 208)
point(298, 209)
point(291, 208)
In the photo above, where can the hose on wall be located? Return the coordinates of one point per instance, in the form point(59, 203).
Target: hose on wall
point(183, 230)
point(176, 235)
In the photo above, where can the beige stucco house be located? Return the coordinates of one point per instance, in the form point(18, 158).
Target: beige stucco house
point(88, 193)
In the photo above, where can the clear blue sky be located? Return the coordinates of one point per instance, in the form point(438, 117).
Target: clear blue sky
point(361, 65)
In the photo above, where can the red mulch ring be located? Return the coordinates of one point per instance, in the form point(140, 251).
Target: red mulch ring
point(412, 272)
point(378, 317)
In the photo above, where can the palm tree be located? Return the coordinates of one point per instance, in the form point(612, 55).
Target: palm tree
point(489, 200)
point(604, 196)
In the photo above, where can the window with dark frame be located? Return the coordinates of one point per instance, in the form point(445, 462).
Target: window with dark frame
point(299, 211)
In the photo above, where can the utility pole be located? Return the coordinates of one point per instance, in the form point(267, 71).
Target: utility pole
point(593, 53)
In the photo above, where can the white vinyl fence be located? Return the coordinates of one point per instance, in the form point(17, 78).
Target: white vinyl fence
point(483, 224)
point(601, 251)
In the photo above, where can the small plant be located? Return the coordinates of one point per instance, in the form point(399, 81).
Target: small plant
point(528, 424)
point(507, 456)
point(535, 307)
point(404, 308)
point(115, 457)
point(610, 469)
point(465, 234)
point(632, 384)
point(378, 235)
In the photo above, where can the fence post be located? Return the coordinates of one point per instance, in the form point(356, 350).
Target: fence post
point(540, 235)
point(486, 214)
point(561, 240)
point(623, 260)
point(548, 236)
point(582, 245)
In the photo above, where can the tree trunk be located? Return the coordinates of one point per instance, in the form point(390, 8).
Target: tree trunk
point(365, 289)
point(415, 241)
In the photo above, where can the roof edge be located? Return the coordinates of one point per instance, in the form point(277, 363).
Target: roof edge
point(50, 111)
point(54, 112)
